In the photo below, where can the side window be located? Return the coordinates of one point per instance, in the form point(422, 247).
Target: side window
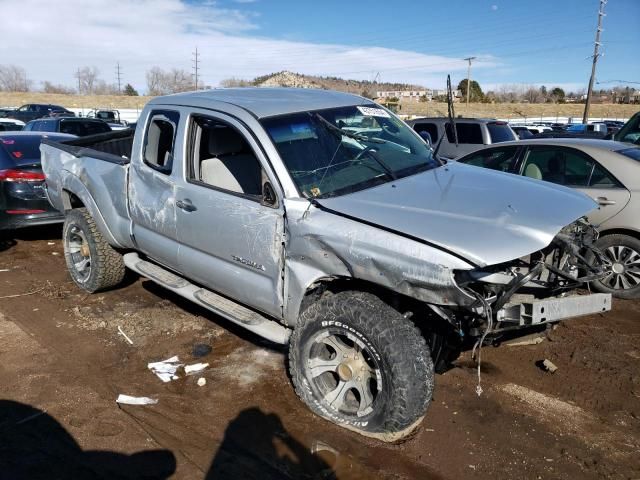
point(430, 128)
point(493, 158)
point(28, 127)
point(600, 178)
point(222, 158)
point(160, 140)
point(469, 133)
point(564, 166)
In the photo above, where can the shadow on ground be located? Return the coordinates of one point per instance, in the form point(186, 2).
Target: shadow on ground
point(33, 445)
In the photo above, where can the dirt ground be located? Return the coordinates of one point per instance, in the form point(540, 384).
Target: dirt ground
point(63, 363)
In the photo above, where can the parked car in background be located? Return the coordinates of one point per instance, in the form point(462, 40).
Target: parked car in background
point(31, 111)
point(5, 111)
point(613, 125)
point(80, 127)
point(630, 131)
point(592, 128)
point(111, 117)
point(522, 132)
point(23, 201)
point(609, 172)
point(10, 125)
point(472, 132)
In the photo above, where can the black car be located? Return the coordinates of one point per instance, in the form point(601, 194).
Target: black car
point(31, 111)
point(522, 132)
point(80, 127)
point(23, 201)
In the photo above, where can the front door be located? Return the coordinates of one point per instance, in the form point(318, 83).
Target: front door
point(573, 168)
point(231, 235)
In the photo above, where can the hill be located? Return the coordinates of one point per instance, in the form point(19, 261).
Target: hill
point(359, 87)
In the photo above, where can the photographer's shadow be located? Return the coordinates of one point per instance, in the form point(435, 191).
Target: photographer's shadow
point(257, 446)
point(33, 445)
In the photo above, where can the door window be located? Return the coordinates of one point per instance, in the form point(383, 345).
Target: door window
point(561, 165)
point(493, 158)
point(222, 158)
point(160, 140)
point(467, 133)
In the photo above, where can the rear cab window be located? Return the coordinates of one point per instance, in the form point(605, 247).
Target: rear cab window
point(500, 132)
point(430, 128)
point(159, 141)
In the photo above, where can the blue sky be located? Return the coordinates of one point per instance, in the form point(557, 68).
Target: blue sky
point(528, 43)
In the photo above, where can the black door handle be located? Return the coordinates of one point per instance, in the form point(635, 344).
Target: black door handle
point(186, 205)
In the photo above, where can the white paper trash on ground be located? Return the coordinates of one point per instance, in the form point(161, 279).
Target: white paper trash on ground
point(166, 369)
point(196, 367)
point(128, 400)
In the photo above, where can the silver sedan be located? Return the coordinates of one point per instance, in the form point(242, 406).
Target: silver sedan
point(607, 171)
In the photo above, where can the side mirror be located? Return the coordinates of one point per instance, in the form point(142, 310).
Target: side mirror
point(426, 136)
point(269, 197)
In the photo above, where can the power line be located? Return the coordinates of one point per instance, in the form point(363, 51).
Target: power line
point(596, 46)
point(119, 77)
point(196, 66)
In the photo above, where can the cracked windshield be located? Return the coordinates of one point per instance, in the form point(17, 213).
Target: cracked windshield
point(341, 150)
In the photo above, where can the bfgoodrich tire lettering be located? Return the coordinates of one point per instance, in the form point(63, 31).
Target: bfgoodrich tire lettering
point(92, 263)
point(360, 364)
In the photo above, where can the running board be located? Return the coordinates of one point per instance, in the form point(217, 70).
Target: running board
point(238, 314)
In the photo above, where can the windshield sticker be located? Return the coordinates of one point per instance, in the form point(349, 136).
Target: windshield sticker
point(373, 112)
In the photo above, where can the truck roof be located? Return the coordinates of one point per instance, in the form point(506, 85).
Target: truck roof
point(265, 102)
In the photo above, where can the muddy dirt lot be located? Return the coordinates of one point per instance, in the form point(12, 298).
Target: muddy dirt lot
point(63, 363)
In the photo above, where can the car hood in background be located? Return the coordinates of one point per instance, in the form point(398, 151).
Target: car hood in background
point(485, 216)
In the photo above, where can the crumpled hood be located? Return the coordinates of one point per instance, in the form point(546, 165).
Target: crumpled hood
point(485, 216)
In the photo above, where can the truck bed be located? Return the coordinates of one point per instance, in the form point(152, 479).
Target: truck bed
point(92, 171)
point(112, 147)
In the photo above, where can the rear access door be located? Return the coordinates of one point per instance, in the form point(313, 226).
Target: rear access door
point(152, 187)
point(230, 221)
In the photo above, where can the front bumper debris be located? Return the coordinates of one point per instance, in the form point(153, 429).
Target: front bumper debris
point(532, 311)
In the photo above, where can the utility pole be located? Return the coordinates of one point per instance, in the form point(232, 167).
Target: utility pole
point(596, 47)
point(196, 66)
point(119, 77)
point(469, 77)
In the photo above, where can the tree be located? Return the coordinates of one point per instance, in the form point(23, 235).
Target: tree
point(160, 82)
point(476, 94)
point(532, 95)
point(129, 91)
point(49, 87)
point(14, 79)
point(557, 95)
point(234, 82)
point(87, 77)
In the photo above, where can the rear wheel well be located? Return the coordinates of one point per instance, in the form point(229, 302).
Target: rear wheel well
point(71, 200)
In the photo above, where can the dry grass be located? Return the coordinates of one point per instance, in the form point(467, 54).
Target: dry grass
point(499, 110)
point(519, 110)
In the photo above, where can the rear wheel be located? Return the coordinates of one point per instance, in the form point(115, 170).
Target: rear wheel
point(360, 364)
point(92, 263)
point(622, 254)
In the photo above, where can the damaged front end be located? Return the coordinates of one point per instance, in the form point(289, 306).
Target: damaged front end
point(535, 289)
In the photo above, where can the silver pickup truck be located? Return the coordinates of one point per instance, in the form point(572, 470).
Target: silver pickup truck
point(320, 220)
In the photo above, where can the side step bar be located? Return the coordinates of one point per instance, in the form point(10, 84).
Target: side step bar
point(238, 314)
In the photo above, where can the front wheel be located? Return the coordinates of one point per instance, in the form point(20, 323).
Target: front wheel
point(92, 263)
point(622, 253)
point(360, 364)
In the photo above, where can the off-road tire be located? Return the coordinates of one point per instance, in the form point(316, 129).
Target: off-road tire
point(107, 266)
point(617, 240)
point(404, 361)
